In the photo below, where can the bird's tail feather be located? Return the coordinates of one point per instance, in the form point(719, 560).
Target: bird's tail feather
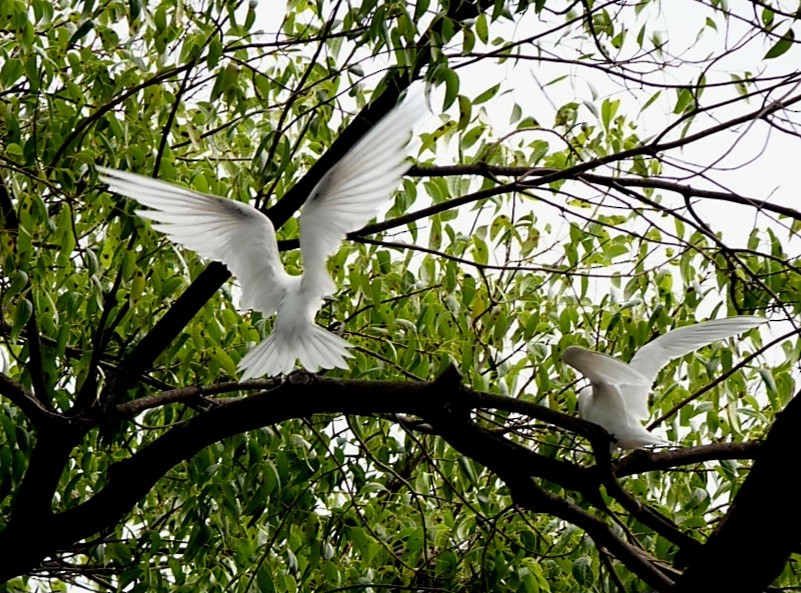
point(315, 347)
point(638, 437)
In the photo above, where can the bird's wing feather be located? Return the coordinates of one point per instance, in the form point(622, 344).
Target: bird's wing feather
point(600, 368)
point(650, 359)
point(636, 398)
point(350, 194)
point(230, 232)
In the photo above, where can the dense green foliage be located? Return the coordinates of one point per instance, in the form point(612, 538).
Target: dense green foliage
point(542, 211)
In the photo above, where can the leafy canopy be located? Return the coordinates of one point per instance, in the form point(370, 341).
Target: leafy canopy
point(575, 184)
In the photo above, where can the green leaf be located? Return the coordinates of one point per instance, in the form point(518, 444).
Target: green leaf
point(480, 250)
point(608, 111)
point(582, 571)
point(482, 28)
point(781, 46)
point(767, 17)
point(215, 52)
point(81, 31)
point(22, 314)
point(465, 111)
point(451, 86)
point(487, 95)
point(19, 280)
point(650, 101)
point(11, 70)
point(685, 101)
point(134, 9)
point(224, 360)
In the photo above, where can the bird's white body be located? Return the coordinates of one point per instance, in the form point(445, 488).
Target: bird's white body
point(617, 398)
point(628, 431)
point(243, 239)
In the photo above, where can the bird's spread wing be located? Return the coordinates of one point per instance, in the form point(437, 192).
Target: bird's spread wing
point(602, 369)
point(655, 354)
point(350, 194)
point(230, 232)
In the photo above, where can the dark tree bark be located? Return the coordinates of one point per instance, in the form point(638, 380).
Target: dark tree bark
point(444, 405)
point(750, 546)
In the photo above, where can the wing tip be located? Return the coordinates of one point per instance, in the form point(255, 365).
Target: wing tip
point(570, 354)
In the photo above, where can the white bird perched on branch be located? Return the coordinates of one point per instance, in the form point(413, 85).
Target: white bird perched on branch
point(617, 398)
point(243, 239)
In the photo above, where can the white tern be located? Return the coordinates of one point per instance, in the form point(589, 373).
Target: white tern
point(243, 239)
point(617, 398)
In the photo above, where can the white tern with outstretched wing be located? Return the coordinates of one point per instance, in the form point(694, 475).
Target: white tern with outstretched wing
point(617, 397)
point(243, 239)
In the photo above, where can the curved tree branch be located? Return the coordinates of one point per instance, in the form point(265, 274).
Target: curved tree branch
point(25, 401)
point(444, 405)
point(646, 460)
point(301, 396)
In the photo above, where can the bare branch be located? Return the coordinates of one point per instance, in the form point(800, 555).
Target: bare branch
point(644, 460)
point(131, 408)
point(521, 173)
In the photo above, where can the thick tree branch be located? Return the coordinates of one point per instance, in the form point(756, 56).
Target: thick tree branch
point(22, 546)
point(763, 525)
point(35, 359)
point(35, 364)
point(444, 404)
point(644, 460)
point(301, 396)
point(25, 401)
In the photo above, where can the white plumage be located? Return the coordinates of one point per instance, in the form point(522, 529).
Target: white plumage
point(243, 239)
point(617, 398)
